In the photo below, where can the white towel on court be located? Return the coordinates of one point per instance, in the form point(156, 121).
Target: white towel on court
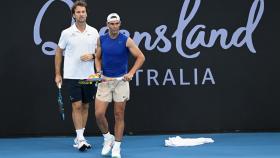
point(178, 141)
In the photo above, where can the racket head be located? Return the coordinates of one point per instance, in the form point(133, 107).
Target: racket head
point(94, 79)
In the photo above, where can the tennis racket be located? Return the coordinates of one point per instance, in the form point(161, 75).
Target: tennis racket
point(96, 78)
point(60, 103)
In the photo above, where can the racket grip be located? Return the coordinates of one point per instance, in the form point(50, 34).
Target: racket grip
point(62, 116)
point(59, 85)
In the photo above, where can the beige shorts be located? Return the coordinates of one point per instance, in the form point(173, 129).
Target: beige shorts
point(116, 90)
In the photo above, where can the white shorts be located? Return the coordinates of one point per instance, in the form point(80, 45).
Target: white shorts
point(116, 90)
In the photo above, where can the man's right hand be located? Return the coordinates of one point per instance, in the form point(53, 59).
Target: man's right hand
point(87, 57)
point(58, 80)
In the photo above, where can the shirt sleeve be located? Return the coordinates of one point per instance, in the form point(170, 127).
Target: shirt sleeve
point(62, 40)
point(97, 36)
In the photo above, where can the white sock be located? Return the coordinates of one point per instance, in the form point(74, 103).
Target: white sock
point(107, 135)
point(83, 130)
point(117, 145)
point(80, 134)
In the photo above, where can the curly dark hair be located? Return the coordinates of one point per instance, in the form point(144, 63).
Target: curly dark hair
point(81, 3)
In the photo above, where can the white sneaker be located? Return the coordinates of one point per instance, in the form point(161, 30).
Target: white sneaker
point(80, 144)
point(116, 152)
point(75, 145)
point(87, 145)
point(107, 146)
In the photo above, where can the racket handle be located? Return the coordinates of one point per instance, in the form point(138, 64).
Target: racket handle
point(62, 116)
point(59, 85)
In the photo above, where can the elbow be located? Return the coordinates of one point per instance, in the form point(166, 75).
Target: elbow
point(143, 57)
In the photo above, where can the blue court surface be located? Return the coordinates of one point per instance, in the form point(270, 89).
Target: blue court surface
point(226, 145)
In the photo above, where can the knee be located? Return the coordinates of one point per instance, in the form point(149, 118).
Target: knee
point(77, 107)
point(85, 107)
point(99, 115)
point(119, 116)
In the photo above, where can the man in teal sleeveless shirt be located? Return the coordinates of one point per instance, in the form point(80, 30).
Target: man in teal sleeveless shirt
point(112, 53)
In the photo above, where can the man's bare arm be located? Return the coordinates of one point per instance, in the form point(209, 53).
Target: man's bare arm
point(138, 55)
point(98, 56)
point(58, 61)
